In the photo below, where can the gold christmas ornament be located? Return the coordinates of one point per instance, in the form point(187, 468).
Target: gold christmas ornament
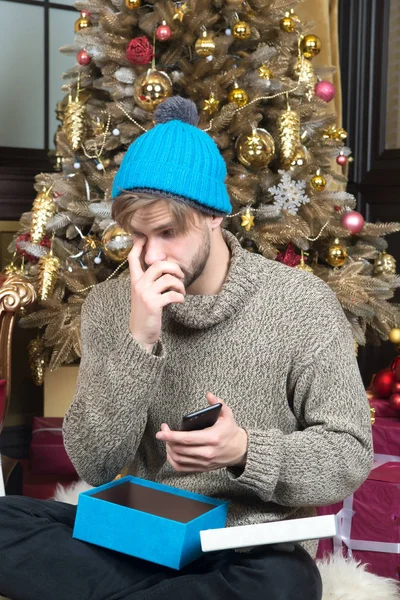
point(180, 11)
point(151, 89)
point(48, 269)
point(394, 335)
point(75, 124)
point(257, 149)
point(301, 157)
point(241, 30)
point(318, 182)
point(334, 133)
point(337, 254)
point(133, 4)
point(310, 45)
point(37, 361)
point(211, 105)
point(304, 70)
point(90, 243)
point(116, 243)
point(247, 220)
point(385, 264)
point(239, 96)
point(289, 134)
point(58, 167)
point(205, 45)
point(265, 72)
point(82, 23)
point(302, 266)
point(42, 211)
point(287, 23)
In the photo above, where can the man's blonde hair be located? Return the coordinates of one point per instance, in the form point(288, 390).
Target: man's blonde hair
point(127, 203)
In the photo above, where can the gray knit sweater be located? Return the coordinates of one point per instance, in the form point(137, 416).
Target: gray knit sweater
point(274, 344)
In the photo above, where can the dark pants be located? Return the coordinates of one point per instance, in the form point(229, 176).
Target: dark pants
point(39, 560)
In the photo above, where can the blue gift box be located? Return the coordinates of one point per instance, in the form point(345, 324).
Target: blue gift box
point(155, 522)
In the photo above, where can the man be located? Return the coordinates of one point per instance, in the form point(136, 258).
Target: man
point(198, 320)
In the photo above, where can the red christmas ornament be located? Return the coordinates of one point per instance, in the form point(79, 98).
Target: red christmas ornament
point(382, 383)
point(395, 401)
point(163, 32)
point(352, 220)
point(394, 364)
point(289, 256)
point(26, 237)
point(139, 51)
point(325, 90)
point(397, 371)
point(83, 58)
point(341, 160)
point(396, 387)
point(85, 14)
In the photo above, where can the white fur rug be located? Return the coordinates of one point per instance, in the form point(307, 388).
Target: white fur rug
point(343, 579)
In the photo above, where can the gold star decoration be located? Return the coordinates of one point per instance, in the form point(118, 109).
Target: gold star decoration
point(264, 72)
point(247, 220)
point(211, 105)
point(180, 11)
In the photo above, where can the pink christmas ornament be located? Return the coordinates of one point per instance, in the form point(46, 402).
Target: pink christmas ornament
point(163, 32)
point(341, 160)
point(83, 58)
point(325, 90)
point(352, 220)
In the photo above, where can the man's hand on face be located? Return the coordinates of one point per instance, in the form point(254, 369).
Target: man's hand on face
point(159, 285)
point(222, 445)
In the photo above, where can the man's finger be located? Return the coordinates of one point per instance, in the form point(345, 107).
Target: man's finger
point(134, 255)
point(205, 437)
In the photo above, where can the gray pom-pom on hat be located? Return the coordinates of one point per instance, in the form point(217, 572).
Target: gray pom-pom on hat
point(176, 108)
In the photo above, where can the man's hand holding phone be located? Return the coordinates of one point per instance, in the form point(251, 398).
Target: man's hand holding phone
point(222, 445)
point(161, 284)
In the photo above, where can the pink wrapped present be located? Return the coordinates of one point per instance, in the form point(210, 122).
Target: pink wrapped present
point(370, 522)
point(47, 452)
point(386, 436)
point(383, 409)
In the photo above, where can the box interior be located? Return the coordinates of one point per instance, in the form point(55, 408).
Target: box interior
point(155, 502)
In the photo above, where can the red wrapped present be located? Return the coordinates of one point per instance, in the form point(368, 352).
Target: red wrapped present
point(383, 409)
point(386, 437)
point(47, 452)
point(42, 487)
point(369, 522)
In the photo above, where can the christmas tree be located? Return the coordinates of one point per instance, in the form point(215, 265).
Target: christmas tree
point(248, 66)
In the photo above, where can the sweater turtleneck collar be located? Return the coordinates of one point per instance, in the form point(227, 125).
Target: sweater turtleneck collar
point(204, 311)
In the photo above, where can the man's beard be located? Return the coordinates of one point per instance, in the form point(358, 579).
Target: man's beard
point(199, 261)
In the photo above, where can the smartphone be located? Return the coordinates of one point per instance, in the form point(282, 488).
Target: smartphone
point(206, 417)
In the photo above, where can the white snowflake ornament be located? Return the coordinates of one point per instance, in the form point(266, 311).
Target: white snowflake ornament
point(289, 194)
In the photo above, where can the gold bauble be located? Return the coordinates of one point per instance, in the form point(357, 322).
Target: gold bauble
point(337, 254)
point(287, 24)
point(310, 46)
point(116, 243)
point(302, 266)
point(394, 335)
point(82, 23)
point(318, 182)
point(151, 89)
point(265, 72)
point(133, 4)
point(385, 264)
point(289, 134)
point(75, 124)
point(300, 158)
point(239, 96)
point(257, 149)
point(241, 30)
point(42, 210)
point(48, 268)
point(37, 361)
point(205, 45)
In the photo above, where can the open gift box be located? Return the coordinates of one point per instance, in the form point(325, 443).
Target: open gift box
point(172, 527)
point(148, 520)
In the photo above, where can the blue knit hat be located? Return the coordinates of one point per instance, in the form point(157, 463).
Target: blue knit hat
point(175, 158)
